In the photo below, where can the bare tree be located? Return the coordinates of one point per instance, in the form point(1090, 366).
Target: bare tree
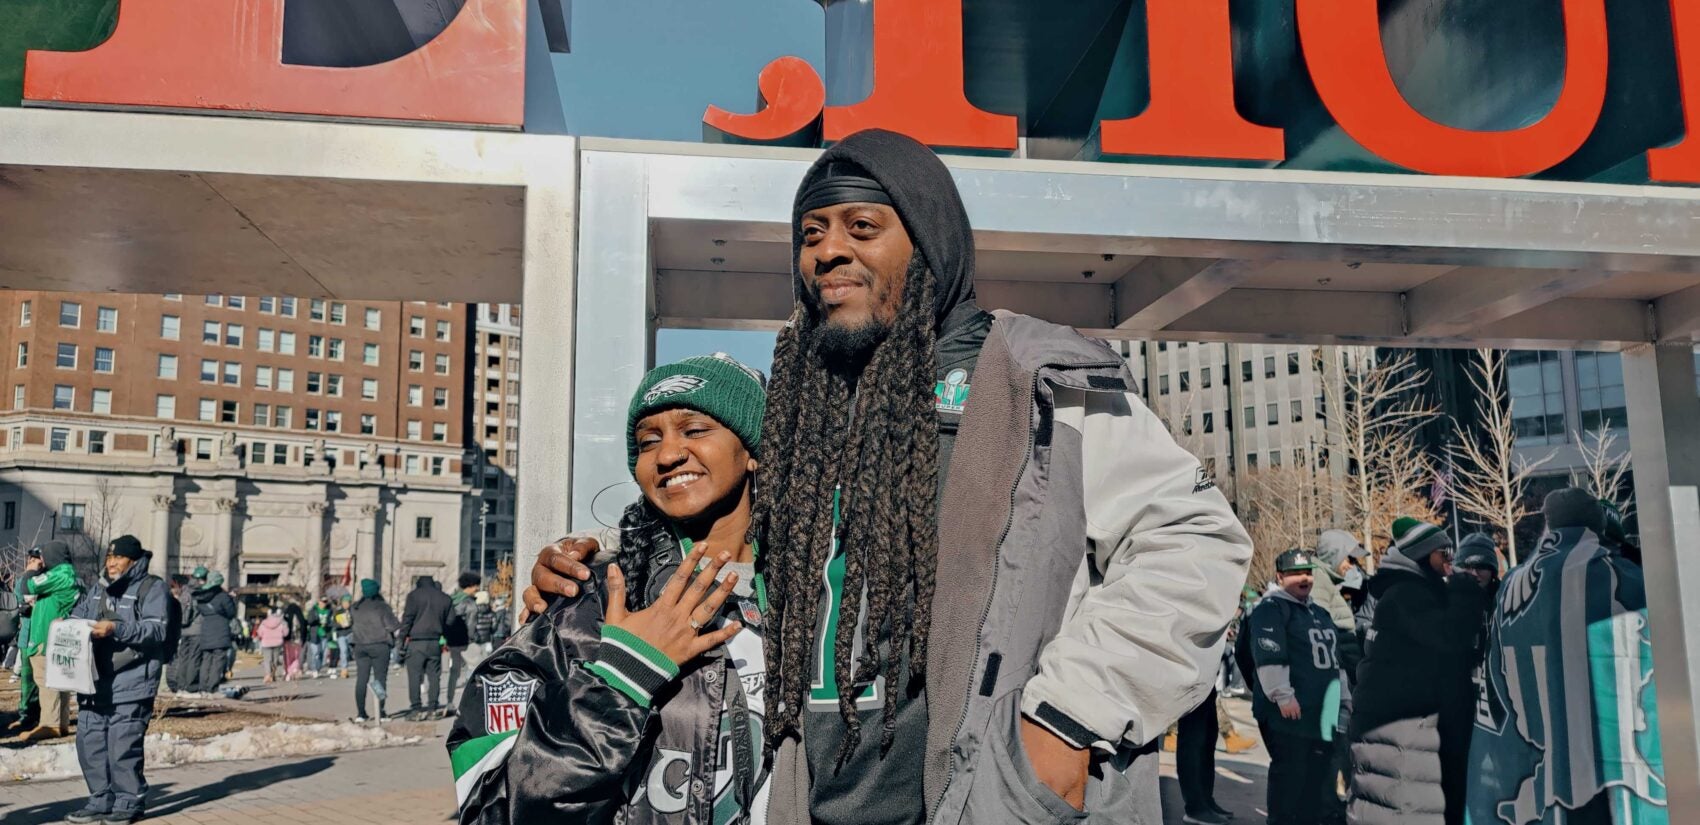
point(1489, 476)
point(1374, 411)
point(1289, 506)
point(1606, 468)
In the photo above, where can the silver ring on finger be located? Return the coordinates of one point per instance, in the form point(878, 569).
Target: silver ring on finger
point(696, 625)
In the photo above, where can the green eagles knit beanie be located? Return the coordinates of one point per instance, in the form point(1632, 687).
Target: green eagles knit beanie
point(368, 588)
point(715, 385)
point(1415, 539)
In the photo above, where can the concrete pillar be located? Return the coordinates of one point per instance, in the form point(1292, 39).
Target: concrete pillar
point(313, 544)
point(366, 545)
point(159, 539)
point(1664, 440)
point(224, 542)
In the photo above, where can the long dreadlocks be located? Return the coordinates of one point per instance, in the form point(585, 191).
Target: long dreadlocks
point(874, 439)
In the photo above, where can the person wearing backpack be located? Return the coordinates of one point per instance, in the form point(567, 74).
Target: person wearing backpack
point(457, 631)
point(131, 616)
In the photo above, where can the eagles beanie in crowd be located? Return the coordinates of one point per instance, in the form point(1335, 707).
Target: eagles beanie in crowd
point(1415, 539)
point(1573, 507)
point(1476, 550)
point(715, 385)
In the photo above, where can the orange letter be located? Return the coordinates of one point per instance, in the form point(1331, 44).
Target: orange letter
point(1681, 163)
point(791, 98)
point(918, 82)
point(1192, 112)
point(222, 54)
point(1342, 45)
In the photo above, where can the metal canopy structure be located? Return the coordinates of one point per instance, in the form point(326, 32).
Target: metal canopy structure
point(605, 241)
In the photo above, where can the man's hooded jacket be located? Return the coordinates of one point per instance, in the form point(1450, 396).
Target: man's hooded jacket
point(128, 663)
point(426, 612)
point(217, 609)
point(56, 591)
point(1088, 568)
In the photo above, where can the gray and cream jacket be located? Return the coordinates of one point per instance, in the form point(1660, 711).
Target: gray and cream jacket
point(1088, 569)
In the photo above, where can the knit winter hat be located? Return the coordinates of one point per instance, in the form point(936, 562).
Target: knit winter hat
point(715, 385)
point(1573, 507)
point(368, 588)
point(1415, 539)
point(126, 546)
point(54, 553)
point(1476, 550)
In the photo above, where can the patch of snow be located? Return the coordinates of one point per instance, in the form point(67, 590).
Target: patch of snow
point(164, 750)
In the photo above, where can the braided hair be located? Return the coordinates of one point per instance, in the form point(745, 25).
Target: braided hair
point(643, 534)
point(884, 465)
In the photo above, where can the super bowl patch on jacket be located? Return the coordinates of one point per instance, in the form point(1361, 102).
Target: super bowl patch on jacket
point(952, 392)
point(505, 699)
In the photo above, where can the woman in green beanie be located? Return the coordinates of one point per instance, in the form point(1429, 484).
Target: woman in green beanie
point(641, 700)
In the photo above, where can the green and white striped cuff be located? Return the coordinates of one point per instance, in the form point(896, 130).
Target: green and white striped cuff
point(631, 665)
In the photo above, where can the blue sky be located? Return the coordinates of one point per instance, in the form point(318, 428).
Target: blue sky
point(753, 349)
point(648, 68)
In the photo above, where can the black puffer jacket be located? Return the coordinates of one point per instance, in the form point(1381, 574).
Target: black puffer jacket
point(216, 609)
point(584, 749)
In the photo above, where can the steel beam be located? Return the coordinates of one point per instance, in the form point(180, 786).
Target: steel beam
point(1161, 291)
point(1470, 297)
point(1664, 439)
point(1677, 316)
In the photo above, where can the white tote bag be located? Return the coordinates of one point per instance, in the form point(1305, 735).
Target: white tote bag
point(70, 656)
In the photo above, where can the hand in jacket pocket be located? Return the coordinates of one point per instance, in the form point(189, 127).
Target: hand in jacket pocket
point(1056, 763)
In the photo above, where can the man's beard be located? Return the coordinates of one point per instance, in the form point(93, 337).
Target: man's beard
point(844, 348)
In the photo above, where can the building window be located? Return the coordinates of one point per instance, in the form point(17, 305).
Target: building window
point(368, 424)
point(215, 300)
point(316, 310)
point(165, 406)
point(442, 330)
point(25, 316)
point(209, 332)
point(64, 397)
point(102, 359)
point(411, 465)
point(67, 358)
point(440, 398)
point(286, 343)
point(373, 318)
point(1204, 377)
point(227, 412)
point(233, 373)
point(1298, 411)
point(333, 386)
point(280, 418)
point(1186, 381)
point(280, 454)
point(1163, 384)
point(1250, 418)
point(268, 305)
point(312, 419)
point(369, 389)
point(1599, 383)
point(172, 296)
point(285, 380)
point(262, 415)
point(334, 352)
point(209, 371)
point(416, 326)
point(1186, 425)
point(70, 314)
point(203, 449)
point(233, 335)
point(369, 355)
point(1268, 366)
point(439, 431)
point(1274, 414)
point(11, 522)
point(415, 395)
point(18, 397)
point(23, 355)
point(105, 319)
point(168, 367)
point(265, 340)
point(438, 463)
point(333, 421)
point(1245, 370)
point(102, 401)
point(71, 517)
point(422, 527)
point(170, 327)
point(1274, 458)
point(233, 302)
point(257, 452)
point(1292, 363)
point(286, 307)
point(339, 313)
point(1537, 397)
point(315, 382)
point(262, 378)
point(97, 441)
point(415, 361)
point(209, 409)
point(442, 364)
point(57, 438)
point(315, 346)
point(1209, 423)
point(413, 430)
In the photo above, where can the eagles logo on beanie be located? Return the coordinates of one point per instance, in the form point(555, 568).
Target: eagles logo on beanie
point(1415, 539)
point(715, 385)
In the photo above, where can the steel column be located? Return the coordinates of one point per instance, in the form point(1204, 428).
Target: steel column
point(1664, 439)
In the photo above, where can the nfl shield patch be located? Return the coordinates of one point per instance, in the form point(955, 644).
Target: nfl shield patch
point(505, 700)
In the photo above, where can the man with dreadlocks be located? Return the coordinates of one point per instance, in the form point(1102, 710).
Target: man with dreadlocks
point(984, 606)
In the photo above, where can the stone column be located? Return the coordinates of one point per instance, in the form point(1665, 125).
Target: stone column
point(366, 545)
point(313, 545)
point(159, 541)
point(224, 542)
